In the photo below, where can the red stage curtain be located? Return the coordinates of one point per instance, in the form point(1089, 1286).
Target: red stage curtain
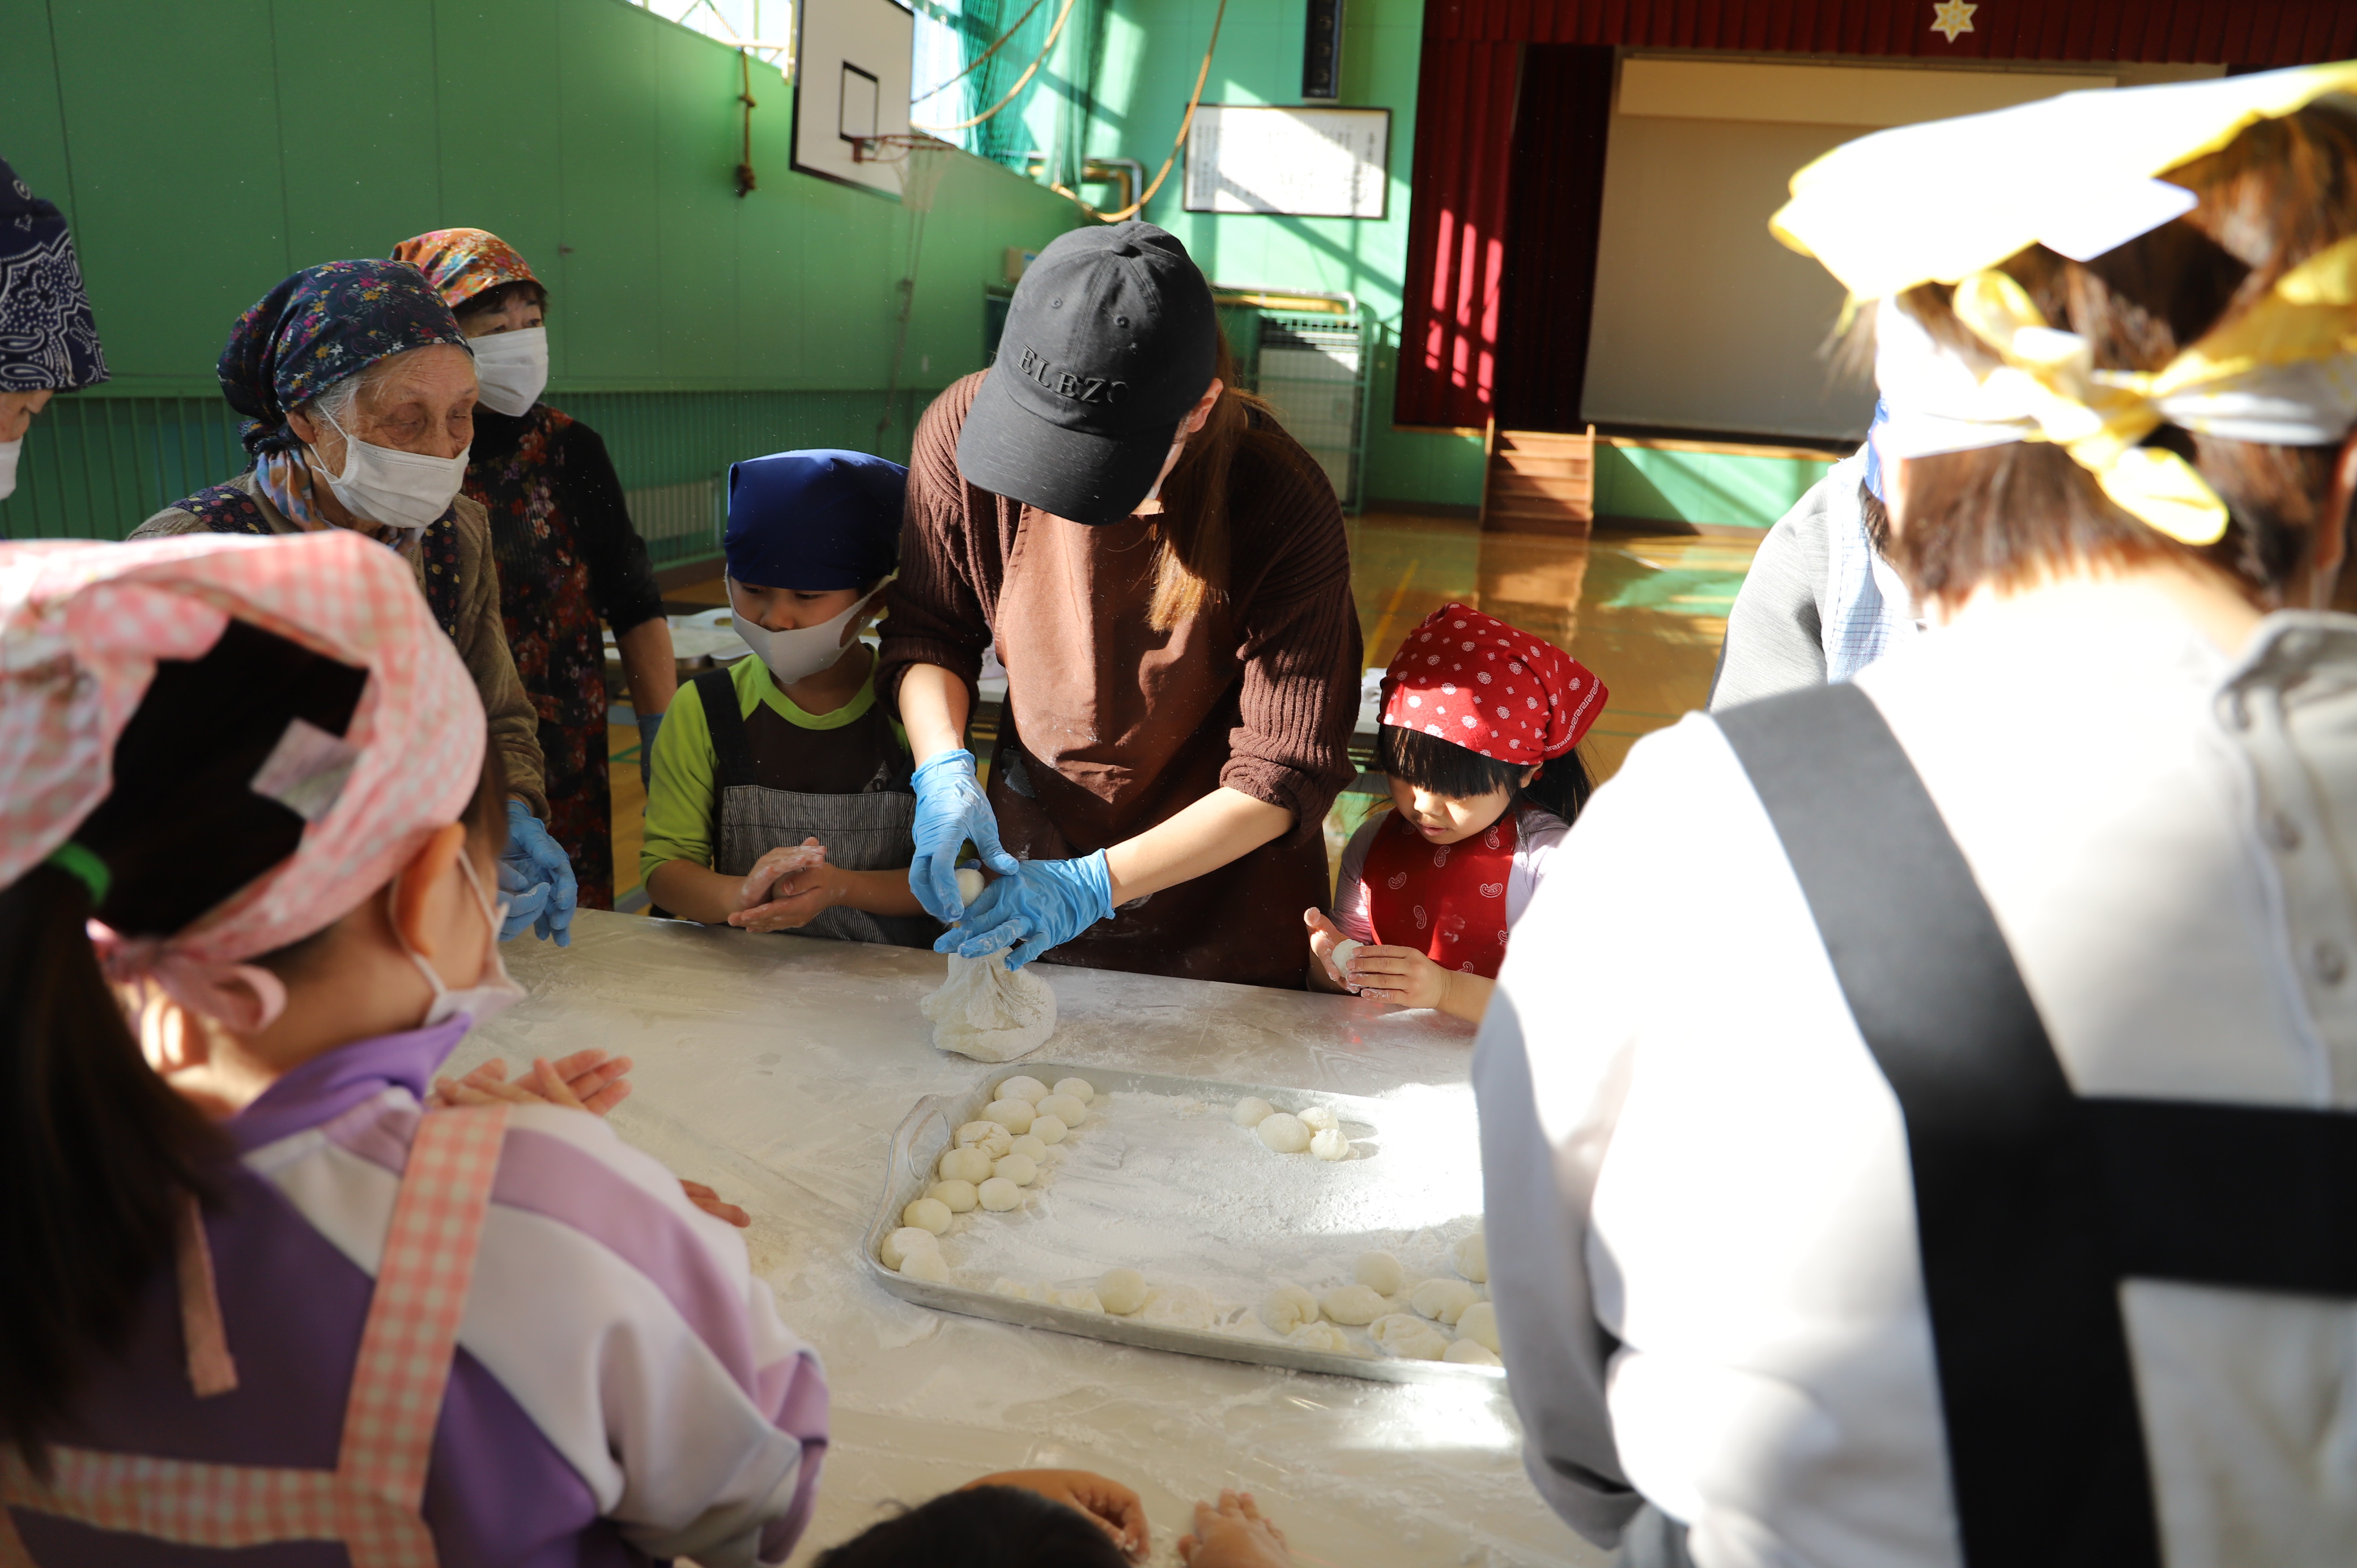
point(1465, 116)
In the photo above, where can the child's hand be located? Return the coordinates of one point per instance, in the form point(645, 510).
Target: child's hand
point(786, 888)
point(780, 865)
point(1115, 1506)
point(709, 1201)
point(1233, 1535)
point(1401, 976)
point(586, 1080)
point(1324, 935)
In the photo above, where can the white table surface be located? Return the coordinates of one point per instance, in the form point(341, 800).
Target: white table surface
point(776, 1067)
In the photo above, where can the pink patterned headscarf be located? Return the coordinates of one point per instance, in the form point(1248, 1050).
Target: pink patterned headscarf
point(81, 626)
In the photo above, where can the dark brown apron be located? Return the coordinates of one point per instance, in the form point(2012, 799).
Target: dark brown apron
point(1112, 727)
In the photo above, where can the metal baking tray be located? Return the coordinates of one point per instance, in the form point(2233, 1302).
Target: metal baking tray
point(926, 1131)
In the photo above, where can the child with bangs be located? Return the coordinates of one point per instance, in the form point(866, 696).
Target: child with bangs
point(1481, 723)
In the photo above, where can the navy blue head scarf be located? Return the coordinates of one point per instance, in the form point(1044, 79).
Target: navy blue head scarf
point(325, 325)
point(46, 336)
point(816, 520)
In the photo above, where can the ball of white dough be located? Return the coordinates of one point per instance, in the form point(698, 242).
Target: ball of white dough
point(998, 1194)
point(1353, 1304)
point(1409, 1337)
point(966, 1164)
point(1283, 1131)
point(1472, 1254)
point(1480, 1325)
point(983, 1136)
point(927, 1214)
point(1031, 1146)
point(1466, 1352)
point(1344, 951)
point(1020, 1169)
point(956, 1196)
point(1121, 1291)
point(1252, 1111)
point(1069, 1109)
point(926, 1266)
point(1330, 1145)
point(1380, 1273)
point(1443, 1299)
point(970, 885)
point(1287, 1308)
point(1318, 1117)
point(1029, 1090)
point(1015, 1116)
point(1049, 1130)
point(1321, 1336)
point(1080, 1088)
point(901, 1242)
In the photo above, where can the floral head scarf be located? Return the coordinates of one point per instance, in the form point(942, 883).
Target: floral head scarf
point(48, 339)
point(323, 326)
point(462, 263)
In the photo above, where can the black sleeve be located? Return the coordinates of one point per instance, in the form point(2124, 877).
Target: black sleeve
point(621, 578)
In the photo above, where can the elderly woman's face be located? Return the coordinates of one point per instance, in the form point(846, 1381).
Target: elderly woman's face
point(422, 400)
point(17, 410)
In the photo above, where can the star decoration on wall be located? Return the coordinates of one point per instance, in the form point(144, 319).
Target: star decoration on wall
point(1953, 17)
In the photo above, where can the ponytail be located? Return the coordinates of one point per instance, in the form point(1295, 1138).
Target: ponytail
point(97, 1153)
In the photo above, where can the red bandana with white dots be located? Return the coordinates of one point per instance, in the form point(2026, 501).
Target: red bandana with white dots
point(1472, 679)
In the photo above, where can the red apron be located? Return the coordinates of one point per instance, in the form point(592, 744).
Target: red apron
point(1448, 901)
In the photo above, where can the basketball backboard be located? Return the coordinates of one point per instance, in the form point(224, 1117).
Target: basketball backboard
point(851, 63)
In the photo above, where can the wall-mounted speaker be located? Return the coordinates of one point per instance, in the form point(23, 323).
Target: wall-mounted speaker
point(1321, 50)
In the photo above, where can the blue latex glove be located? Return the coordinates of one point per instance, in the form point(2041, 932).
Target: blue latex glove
point(648, 725)
point(537, 879)
point(1045, 904)
point(952, 809)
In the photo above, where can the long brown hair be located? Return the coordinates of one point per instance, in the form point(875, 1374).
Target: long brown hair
point(1190, 562)
point(2277, 195)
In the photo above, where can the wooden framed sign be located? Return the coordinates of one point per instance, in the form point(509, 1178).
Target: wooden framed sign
point(1298, 162)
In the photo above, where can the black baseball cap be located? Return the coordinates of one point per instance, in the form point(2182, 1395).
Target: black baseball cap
point(1111, 337)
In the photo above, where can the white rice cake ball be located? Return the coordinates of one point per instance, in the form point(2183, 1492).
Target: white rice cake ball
point(1121, 1291)
point(1443, 1299)
point(1479, 1324)
point(1015, 1116)
point(1319, 1118)
point(1407, 1336)
point(1031, 1146)
point(1284, 1133)
point(927, 1214)
point(998, 1194)
point(1252, 1111)
point(1380, 1273)
point(966, 1164)
point(983, 1136)
point(926, 1266)
point(1321, 1336)
point(956, 1196)
point(1049, 1129)
point(1287, 1308)
point(1070, 1109)
point(970, 885)
point(1016, 1169)
point(1472, 1255)
point(1080, 1088)
point(1468, 1353)
point(1029, 1090)
point(1353, 1306)
point(1328, 1143)
point(907, 1239)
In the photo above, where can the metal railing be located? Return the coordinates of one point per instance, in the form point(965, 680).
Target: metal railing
point(95, 468)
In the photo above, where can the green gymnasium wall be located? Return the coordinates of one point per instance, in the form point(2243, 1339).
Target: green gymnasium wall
point(202, 152)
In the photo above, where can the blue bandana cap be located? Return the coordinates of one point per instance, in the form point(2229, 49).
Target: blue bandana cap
point(1874, 454)
point(48, 340)
point(323, 326)
point(814, 521)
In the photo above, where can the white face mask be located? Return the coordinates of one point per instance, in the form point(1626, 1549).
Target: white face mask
point(390, 488)
point(799, 654)
point(489, 996)
point(511, 368)
point(8, 451)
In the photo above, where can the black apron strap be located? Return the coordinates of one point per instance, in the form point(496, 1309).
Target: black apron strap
point(2045, 1448)
point(732, 753)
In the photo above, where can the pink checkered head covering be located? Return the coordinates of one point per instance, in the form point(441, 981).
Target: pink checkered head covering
point(82, 628)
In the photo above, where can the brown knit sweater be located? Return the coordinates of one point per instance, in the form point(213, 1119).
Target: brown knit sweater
point(1288, 649)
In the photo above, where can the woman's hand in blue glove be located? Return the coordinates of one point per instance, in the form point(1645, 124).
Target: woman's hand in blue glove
point(1044, 905)
point(537, 879)
point(952, 809)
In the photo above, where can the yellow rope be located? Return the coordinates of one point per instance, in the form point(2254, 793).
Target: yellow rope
point(1163, 173)
point(1028, 71)
point(973, 64)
